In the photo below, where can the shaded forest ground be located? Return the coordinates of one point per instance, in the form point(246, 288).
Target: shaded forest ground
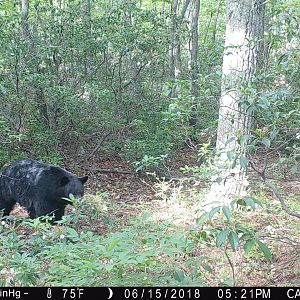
point(123, 196)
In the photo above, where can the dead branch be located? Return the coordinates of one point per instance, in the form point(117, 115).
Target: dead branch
point(272, 187)
point(99, 144)
point(109, 171)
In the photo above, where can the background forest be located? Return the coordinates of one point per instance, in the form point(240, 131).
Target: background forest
point(129, 93)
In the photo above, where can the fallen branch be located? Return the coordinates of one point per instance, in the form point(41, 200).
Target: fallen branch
point(272, 187)
point(109, 171)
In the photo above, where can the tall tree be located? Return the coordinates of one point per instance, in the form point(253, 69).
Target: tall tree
point(194, 51)
point(240, 61)
point(174, 68)
point(33, 61)
point(86, 17)
point(177, 18)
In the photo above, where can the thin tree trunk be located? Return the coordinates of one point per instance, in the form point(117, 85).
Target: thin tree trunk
point(172, 63)
point(185, 9)
point(163, 8)
point(216, 22)
point(240, 61)
point(86, 15)
point(33, 57)
point(194, 70)
point(207, 29)
point(175, 63)
point(134, 69)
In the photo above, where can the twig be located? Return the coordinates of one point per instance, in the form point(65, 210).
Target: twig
point(272, 187)
point(98, 146)
point(109, 171)
point(280, 199)
point(231, 266)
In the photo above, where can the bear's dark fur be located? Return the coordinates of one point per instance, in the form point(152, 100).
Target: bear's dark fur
point(38, 187)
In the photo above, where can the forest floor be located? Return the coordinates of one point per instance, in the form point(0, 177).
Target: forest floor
point(125, 196)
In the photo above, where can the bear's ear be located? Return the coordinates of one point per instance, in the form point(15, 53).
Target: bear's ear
point(64, 181)
point(83, 179)
point(55, 170)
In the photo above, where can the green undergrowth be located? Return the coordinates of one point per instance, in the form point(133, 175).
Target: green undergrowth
point(167, 244)
point(36, 254)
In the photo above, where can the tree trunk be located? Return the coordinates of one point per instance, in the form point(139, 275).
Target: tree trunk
point(172, 52)
point(33, 58)
point(133, 65)
point(86, 16)
point(194, 70)
point(216, 22)
point(240, 61)
point(175, 50)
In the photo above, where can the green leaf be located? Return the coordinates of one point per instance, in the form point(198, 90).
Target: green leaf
point(265, 250)
point(208, 268)
point(233, 240)
point(244, 162)
point(273, 134)
point(214, 211)
point(241, 202)
point(282, 160)
point(202, 219)
point(226, 212)
point(266, 142)
point(230, 155)
point(221, 237)
point(179, 275)
point(228, 281)
point(244, 138)
point(219, 180)
point(233, 138)
point(294, 169)
point(257, 202)
point(250, 202)
point(72, 234)
point(114, 243)
point(249, 245)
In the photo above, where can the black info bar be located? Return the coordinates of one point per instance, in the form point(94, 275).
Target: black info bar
point(119, 293)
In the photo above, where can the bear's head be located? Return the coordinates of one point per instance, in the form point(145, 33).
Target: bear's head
point(74, 185)
point(67, 183)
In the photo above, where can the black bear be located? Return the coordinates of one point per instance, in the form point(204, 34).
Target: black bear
point(38, 187)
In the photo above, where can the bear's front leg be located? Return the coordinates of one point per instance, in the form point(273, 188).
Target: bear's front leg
point(58, 213)
point(46, 208)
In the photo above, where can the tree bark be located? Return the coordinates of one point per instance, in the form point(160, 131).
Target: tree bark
point(216, 22)
point(194, 70)
point(33, 58)
point(86, 16)
point(175, 64)
point(240, 61)
point(174, 73)
point(134, 70)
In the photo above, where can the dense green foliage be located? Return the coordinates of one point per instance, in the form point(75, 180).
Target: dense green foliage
point(145, 252)
point(99, 74)
point(106, 73)
point(66, 257)
point(80, 77)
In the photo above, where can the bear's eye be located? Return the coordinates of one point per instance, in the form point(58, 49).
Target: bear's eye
point(65, 180)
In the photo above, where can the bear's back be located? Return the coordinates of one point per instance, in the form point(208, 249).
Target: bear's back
point(27, 169)
point(19, 178)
